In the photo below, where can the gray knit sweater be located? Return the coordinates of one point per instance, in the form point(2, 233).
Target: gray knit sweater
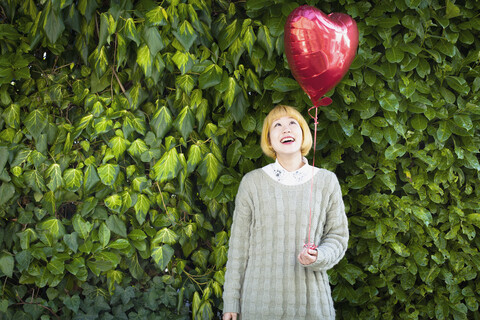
point(264, 279)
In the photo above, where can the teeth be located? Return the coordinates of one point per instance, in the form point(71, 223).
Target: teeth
point(287, 140)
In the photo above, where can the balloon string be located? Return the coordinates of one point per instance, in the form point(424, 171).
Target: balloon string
point(322, 102)
point(315, 119)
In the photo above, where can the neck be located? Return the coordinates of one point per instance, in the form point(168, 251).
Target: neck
point(291, 162)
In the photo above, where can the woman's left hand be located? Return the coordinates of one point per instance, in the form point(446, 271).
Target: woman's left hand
point(307, 256)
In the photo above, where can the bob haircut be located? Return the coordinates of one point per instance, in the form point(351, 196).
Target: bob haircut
point(279, 112)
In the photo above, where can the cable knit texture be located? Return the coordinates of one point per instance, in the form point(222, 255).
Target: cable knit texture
point(264, 279)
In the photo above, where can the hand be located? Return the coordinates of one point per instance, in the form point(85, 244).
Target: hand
point(307, 256)
point(230, 316)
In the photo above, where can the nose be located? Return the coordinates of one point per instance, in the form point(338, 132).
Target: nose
point(286, 129)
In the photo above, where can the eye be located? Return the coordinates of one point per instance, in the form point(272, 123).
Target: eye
point(293, 122)
point(277, 124)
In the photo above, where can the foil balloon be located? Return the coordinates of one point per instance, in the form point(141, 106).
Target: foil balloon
point(320, 49)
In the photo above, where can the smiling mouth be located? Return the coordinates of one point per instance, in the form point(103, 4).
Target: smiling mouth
point(287, 140)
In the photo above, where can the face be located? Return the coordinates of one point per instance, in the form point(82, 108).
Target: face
point(286, 136)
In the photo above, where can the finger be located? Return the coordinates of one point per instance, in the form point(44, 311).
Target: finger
point(313, 252)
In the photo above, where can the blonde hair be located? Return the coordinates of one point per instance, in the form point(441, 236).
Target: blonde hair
point(279, 112)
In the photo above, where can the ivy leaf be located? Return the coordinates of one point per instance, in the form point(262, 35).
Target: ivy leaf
point(118, 145)
point(11, 115)
point(162, 255)
point(168, 166)
point(185, 34)
point(7, 191)
point(6, 264)
point(184, 122)
point(165, 235)
point(209, 169)
point(35, 122)
point(141, 208)
point(82, 227)
point(154, 40)
point(104, 234)
point(114, 202)
point(194, 157)
point(54, 172)
point(283, 84)
point(73, 179)
point(161, 122)
point(144, 60)
point(108, 173)
point(211, 76)
point(53, 25)
point(130, 31)
point(116, 225)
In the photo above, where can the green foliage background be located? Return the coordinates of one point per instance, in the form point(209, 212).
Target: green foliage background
point(126, 127)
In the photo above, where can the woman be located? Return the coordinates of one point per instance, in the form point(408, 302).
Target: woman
point(270, 274)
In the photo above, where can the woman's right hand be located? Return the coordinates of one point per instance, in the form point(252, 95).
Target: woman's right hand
point(230, 316)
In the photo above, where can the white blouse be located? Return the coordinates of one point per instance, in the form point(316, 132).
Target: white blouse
point(290, 178)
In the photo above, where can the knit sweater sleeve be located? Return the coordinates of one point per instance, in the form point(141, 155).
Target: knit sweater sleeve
point(334, 241)
point(238, 249)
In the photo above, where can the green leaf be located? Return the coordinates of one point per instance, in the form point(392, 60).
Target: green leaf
point(104, 234)
point(389, 102)
point(153, 39)
point(114, 202)
point(144, 60)
point(71, 240)
point(423, 215)
point(116, 225)
point(185, 34)
point(283, 84)
point(6, 264)
point(161, 122)
point(35, 122)
point(194, 157)
point(165, 235)
point(184, 122)
point(157, 16)
point(443, 131)
point(458, 84)
point(53, 24)
point(183, 61)
point(220, 256)
point(168, 166)
point(141, 208)
point(73, 179)
point(7, 191)
point(53, 227)
point(82, 227)
point(91, 177)
point(118, 145)
point(211, 76)
point(419, 122)
point(395, 151)
point(209, 169)
point(54, 172)
point(395, 55)
point(130, 31)
point(108, 173)
point(11, 115)
point(162, 255)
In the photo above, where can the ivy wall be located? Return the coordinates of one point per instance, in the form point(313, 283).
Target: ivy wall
point(126, 127)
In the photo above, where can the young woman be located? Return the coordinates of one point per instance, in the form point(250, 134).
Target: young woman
point(270, 273)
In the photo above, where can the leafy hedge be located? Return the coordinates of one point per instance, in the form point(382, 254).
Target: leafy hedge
point(127, 125)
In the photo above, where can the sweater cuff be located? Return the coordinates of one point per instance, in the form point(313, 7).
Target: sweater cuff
point(231, 306)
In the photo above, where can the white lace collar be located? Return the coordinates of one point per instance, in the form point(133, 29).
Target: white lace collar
point(290, 178)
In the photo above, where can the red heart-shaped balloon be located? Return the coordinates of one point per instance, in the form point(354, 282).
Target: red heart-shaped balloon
point(319, 48)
